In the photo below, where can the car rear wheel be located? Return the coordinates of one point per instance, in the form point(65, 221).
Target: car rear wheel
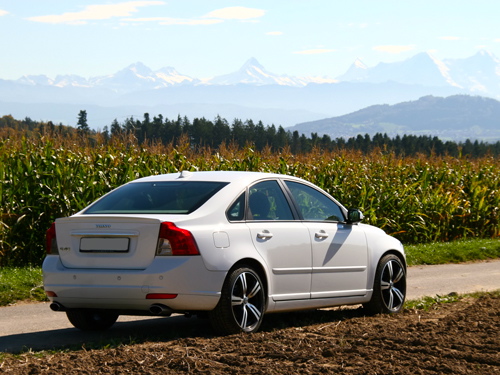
point(389, 288)
point(91, 320)
point(242, 303)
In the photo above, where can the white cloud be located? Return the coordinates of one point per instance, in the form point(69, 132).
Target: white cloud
point(96, 12)
point(217, 16)
point(314, 51)
point(362, 25)
point(450, 38)
point(274, 33)
point(174, 21)
point(189, 22)
point(236, 13)
point(394, 49)
point(3, 12)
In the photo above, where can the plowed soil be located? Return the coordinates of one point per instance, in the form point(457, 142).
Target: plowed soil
point(453, 338)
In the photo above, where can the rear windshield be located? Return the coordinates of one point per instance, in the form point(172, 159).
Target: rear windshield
point(169, 197)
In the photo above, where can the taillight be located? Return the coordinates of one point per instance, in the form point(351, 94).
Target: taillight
point(175, 241)
point(51, 240)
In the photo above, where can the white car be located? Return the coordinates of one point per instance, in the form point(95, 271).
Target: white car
point(237, 245)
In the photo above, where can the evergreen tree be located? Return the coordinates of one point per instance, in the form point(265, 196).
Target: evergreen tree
point(105, 133)
point(115, 128)
point(239, 132)
point(260, 136)
point(222, 131)
point(326, 142)
point(271, 136)
point(296, 143)
point(282, 138)
point(82, 125)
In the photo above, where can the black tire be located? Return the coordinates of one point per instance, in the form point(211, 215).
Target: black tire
point(91, 320)
point(389, 287)
point(242, 304)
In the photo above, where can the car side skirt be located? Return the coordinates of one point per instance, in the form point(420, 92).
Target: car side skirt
point(317, 303)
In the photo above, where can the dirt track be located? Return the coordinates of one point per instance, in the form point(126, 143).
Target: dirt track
point(456, 338)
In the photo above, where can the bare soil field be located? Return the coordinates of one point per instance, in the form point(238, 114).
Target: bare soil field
point(452, 338)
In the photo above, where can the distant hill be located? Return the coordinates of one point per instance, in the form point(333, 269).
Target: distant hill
point(457, 118)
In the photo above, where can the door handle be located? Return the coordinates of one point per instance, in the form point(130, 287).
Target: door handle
point(265, 235)
point(321, 234)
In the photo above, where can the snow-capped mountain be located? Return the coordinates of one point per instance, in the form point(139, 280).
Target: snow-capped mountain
point(132, 78)
point(253, 73)
point(357, 72)
point(70, 80)
point(33, 80)
point(477, 74)
point(138, 76)
point(251, 91)
point(422, 69)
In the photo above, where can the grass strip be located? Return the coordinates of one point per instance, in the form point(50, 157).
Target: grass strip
point(452, 252)
point(21, 284)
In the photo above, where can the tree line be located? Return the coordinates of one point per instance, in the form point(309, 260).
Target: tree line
point(203, 132)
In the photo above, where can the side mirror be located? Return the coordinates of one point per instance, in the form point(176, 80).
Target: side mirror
point(354, 216)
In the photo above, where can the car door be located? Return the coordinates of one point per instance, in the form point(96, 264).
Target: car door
point(339, 250)
point(281, 240)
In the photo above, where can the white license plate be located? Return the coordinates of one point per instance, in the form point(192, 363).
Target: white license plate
point(104, 245)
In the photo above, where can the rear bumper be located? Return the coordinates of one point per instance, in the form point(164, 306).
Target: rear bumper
point(196, 287)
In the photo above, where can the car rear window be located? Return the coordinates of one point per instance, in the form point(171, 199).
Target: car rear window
point(169, 197)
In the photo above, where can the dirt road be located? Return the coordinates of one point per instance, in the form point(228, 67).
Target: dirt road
point(36, 327)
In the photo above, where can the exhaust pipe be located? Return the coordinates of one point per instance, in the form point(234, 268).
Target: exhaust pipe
point(159, 309)
point(56, 306)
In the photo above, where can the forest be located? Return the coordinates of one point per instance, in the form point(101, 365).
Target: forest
point(201, 132)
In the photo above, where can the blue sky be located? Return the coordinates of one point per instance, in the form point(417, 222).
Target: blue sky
point(205, 38)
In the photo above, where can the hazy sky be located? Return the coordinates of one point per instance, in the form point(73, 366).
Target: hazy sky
point(205, 38)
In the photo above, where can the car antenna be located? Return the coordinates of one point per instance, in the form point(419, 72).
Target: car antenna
point(185, 174)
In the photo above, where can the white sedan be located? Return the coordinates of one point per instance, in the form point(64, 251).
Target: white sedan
point(235, 245)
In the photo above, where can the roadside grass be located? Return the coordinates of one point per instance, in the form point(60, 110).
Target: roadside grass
point(427, 303)
point(21, 284)
point(25, 284)
point(452, 252)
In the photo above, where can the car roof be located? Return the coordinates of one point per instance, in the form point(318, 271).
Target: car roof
point(222, 176)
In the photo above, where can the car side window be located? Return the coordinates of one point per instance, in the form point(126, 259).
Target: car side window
point(236, 211)
point(268, 202)
point(313, 204)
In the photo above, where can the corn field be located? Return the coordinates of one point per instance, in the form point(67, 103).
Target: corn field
point(417, 200)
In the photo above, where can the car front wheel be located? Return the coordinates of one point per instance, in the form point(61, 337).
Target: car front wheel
point(242, 303)
point(389, 288)
point(91, 320)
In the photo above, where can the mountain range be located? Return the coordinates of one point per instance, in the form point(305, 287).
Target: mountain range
point(457, 117)
point(251, 92)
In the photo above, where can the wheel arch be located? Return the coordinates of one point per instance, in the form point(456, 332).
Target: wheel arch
point(382, 298)
point(376, 261)
point(397, 253)
point(257, 267)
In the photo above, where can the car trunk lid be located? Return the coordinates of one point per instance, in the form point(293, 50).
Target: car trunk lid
point(107, 242)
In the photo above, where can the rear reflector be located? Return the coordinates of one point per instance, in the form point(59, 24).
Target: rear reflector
point(160, 296)
point(50, 293)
